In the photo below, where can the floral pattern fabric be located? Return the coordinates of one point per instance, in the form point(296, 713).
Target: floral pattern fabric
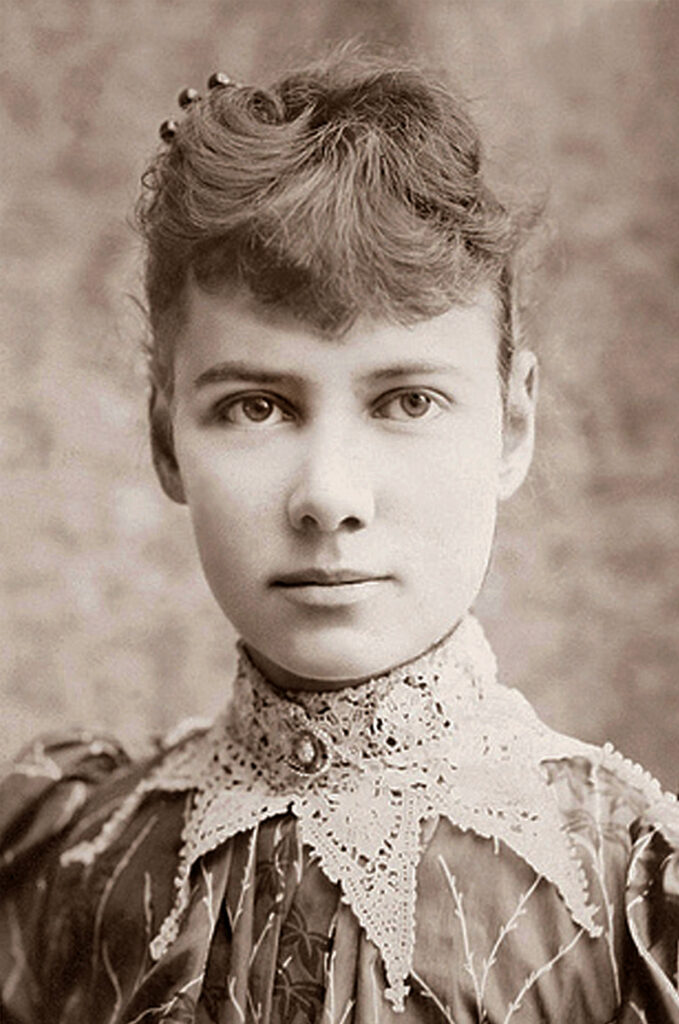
point(267, 938)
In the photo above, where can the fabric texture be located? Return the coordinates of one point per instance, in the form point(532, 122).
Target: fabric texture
point(418, 848)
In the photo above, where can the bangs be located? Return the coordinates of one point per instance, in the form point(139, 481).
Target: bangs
point(351, 187)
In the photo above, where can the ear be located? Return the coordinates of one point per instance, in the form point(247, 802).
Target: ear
point(519, 423)
point(162, 446)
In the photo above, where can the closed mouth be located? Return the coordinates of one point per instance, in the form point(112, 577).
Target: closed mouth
point(326, 578)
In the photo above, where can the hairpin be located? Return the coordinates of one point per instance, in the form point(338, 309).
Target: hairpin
point(168, 130)
point(187, 97)
point(219, 80)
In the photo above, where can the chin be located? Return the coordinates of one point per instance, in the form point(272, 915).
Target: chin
point(347, 661)
point(334, 660)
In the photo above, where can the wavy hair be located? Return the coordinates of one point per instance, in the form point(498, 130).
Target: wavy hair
point(352, 186)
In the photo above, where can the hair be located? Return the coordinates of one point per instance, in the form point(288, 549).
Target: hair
point(352, 186)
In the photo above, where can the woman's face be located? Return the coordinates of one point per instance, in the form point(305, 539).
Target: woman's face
point(342, 492)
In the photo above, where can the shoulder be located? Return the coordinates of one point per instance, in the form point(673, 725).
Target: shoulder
point(605, 801)
point(588, 782)
point(613, 812)
point(60, 783)
point(43, 790)
point(61, 792)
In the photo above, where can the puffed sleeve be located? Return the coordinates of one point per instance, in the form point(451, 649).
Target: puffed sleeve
point(41, 795)
point(652, 911)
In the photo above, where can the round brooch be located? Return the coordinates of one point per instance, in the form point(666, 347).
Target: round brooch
point(309, 752)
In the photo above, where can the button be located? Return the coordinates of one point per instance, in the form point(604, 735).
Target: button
point(305, 751)
point(309, 754)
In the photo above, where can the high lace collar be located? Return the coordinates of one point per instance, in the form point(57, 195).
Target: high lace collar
point(363, 769)
point(297, 737)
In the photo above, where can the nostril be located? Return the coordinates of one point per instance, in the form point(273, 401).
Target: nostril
point(352, 522)
point(312, 522)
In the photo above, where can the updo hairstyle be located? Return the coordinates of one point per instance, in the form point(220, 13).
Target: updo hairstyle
point(351, 187)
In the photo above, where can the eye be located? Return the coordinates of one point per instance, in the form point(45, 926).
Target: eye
point(249, 410)
point(410, 405)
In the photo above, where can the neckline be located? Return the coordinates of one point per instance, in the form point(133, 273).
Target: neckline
point(464, 747)
point(301, 735)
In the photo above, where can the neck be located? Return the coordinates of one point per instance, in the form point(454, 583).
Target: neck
point(284, 679)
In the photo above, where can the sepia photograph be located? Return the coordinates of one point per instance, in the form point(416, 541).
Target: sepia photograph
point(340, 512)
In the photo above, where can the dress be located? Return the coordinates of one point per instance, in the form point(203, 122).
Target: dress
point(419, 848)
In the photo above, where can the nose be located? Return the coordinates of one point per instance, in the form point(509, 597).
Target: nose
point(331, 494)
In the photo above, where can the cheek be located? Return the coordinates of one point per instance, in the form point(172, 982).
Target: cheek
point(230, 541)
point(450, 505)
point(456, 523)
point(233, 503)
point(455, 480)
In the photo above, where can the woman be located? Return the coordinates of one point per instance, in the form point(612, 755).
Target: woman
point(375, 829)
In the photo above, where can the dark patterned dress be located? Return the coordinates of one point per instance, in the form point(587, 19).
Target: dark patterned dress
point(128, 896)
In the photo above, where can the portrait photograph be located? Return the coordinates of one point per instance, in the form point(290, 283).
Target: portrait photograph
point(339, 446)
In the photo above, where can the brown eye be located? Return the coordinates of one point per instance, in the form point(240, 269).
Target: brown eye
point(415, 403)
point(410, 405)
point(251, 410)
point(258, 408)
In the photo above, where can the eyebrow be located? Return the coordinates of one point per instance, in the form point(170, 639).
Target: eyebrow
point(222, 373)
point(414, 369)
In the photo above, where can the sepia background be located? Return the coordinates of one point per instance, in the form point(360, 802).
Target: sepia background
point(106, 619)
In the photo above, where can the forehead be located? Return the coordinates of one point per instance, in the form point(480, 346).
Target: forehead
point(233, 326)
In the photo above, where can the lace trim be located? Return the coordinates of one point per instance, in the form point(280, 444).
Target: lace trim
point(362, 768)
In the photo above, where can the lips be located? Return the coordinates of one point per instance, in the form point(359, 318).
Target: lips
point(324, 591)
point(326, 577)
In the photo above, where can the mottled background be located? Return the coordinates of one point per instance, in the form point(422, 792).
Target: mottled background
point(106, 618)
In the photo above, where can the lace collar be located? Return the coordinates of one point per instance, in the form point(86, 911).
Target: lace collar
point(362, 769)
